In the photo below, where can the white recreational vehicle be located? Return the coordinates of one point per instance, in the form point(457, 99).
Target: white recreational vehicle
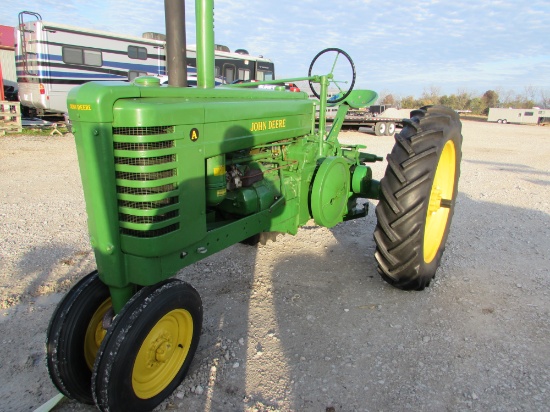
point(520, 116)
point(52, 58)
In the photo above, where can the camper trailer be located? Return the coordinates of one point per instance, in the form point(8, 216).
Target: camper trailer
point(519, 116)
point(52, 58)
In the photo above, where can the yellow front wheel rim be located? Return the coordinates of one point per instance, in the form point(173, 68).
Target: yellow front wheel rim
point(441, 196)
point(162, 353)
point(95, 333)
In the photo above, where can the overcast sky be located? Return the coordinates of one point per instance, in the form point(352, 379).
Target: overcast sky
point(399, 47)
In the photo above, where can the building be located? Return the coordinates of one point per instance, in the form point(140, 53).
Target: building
point(7, 53)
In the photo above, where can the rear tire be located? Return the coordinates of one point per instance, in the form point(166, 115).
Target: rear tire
point(418, 194)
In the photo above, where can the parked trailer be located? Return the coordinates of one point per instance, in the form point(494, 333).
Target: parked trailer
point(383, 119)
point(52, 58)
point(519, 116)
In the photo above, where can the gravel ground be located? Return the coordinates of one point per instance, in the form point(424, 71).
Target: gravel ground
point(305, 323)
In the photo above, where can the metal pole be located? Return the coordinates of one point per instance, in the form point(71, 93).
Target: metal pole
point(204, 10)
point(323, 114)
point(176, 56)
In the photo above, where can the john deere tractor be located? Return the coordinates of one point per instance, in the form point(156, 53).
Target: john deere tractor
point(172, 175)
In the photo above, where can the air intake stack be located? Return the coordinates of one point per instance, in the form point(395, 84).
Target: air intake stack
point(204, 10)
point(176, 56)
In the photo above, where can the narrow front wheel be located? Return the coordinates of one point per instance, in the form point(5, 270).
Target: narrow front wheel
point(149, 348)
point(74, 335)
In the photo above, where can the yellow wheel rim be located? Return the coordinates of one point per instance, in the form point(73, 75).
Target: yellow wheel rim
point(162, 353)
point(441, 196)
point(95, 333)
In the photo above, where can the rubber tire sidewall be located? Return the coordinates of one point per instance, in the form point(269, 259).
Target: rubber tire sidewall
point(112, 375)
point(390, 129)
point(380, 128)
point(65, 358)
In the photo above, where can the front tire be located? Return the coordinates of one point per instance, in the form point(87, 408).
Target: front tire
point(74, 335)
point(418, 194)
point(149, 348)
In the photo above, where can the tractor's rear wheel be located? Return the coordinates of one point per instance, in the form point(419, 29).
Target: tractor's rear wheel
point(418, 194)
point(74, 335)
point(149, 347)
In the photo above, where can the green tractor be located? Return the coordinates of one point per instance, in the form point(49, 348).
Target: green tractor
point(172, 175)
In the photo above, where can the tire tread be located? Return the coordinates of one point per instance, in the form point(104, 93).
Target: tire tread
point(405, 191)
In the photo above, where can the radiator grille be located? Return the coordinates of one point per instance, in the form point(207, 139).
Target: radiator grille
point(145, 161)
point(146, 176)
point(140, 147)
point(136, 175)
point(146, 190)
point(151, 233)
point(123, 217)
point(143, 131)
point(148, 205)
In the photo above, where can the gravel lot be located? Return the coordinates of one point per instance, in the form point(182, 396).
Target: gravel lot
point(306, 323)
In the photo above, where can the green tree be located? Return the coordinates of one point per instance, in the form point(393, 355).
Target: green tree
point(450, 101)
point(409, 102)
point(489, 99)
point(463, 100)
point(430, 96)
point(476, 105)
point(388, 99)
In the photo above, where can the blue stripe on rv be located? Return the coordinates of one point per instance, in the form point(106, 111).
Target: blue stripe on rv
point(150, 68)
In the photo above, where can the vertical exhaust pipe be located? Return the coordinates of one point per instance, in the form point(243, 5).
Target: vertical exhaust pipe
point(176, 48)
point(204, 11)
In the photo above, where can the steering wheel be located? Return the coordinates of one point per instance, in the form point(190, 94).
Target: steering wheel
point(328, 60)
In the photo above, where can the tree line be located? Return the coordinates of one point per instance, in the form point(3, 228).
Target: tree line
point(469, 101)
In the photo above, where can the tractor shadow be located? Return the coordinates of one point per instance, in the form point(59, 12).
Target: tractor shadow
point(308, 324)
point(38, 281)
point(517, 168)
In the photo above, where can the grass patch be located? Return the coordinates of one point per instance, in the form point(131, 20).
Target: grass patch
point(38, 131)
point(473, 117)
